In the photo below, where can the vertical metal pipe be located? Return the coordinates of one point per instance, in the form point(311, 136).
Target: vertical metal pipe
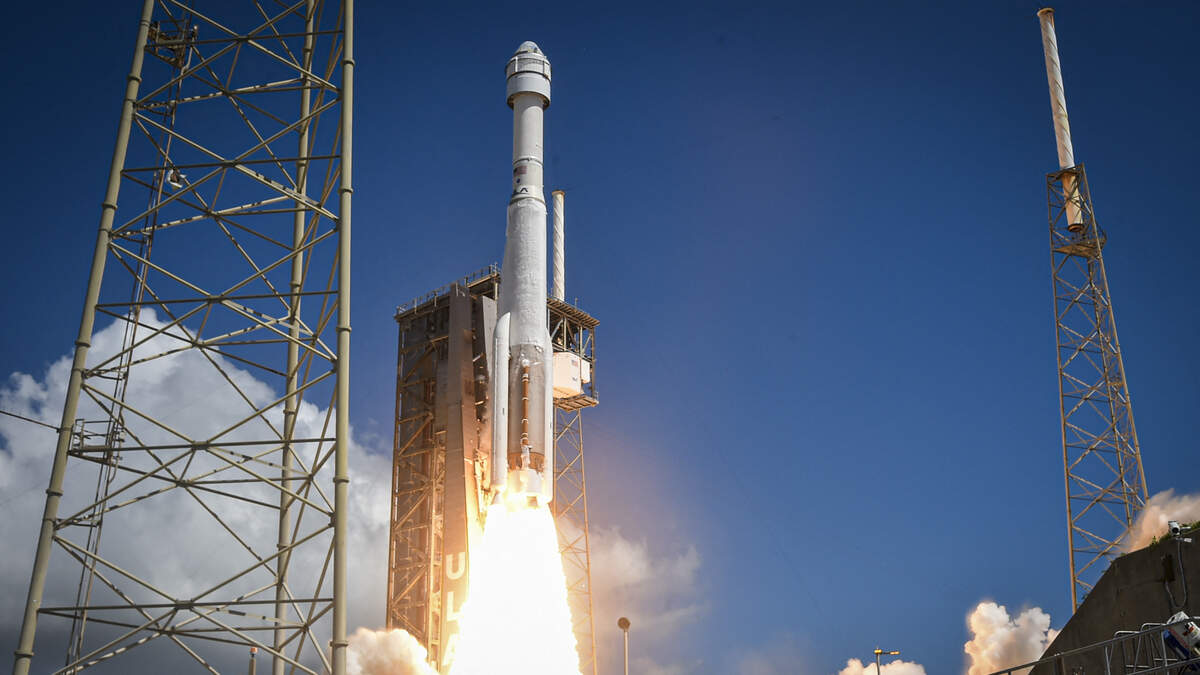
point(1058, 110)
point(342, 424)
point(1058, 99)
point(292, 400)
point(627, 652)
point(623, 624)
point(1066, 472)
point(587, 544)
point(524, 408)
point(500, 407)
point(559, 287)
point(37, 582)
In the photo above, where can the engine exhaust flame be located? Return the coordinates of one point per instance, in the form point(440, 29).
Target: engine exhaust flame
point(516, 619)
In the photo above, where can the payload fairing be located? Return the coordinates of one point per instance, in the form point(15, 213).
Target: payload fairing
point(522, 376)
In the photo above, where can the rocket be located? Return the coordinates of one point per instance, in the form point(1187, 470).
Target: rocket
point(522, 466)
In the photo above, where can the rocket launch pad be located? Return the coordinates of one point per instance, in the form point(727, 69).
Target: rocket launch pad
point(492, 378)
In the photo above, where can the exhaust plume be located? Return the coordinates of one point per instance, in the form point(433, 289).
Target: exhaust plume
point(386, 652)
point(999, 641)
point(516, 618)
point(1152, 521)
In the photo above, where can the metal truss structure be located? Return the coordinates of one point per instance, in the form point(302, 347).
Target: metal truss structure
point(421, 537)
point(1105, 484)
point(572, 330)
point(418, 486)
point(229, 261)
point(442, 430)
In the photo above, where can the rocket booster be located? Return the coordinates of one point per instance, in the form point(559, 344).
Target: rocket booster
point(522, 372)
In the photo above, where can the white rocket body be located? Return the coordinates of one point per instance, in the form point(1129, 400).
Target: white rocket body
point(522, 375)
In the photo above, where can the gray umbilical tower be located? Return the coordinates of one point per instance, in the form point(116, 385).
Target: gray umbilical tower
point(1102, 463)
point(230, 254)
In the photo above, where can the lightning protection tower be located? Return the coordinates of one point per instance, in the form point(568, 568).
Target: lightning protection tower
point(192, 519)
point(1105, 484)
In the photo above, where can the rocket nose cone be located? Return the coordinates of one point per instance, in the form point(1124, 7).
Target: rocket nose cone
point(527, 47)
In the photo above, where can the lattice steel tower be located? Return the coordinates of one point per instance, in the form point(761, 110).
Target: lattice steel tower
point(572, 332)
point(230, 255)
point(1105, 484)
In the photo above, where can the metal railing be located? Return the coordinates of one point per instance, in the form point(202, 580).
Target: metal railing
point(1141, 652)
point(471, 278)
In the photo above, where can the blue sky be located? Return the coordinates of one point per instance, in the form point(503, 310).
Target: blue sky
point(815, 236)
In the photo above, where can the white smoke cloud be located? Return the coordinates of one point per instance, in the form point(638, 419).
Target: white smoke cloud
point(1000, 641)
point(386, 652)
point(187, 392)
point(658, 593)
point(1152, 521)
point(856, 667)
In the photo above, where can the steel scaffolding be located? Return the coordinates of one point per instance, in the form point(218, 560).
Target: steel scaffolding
point(570, 514)
point(572, 330)
point(232, 256)
point(1105, 484)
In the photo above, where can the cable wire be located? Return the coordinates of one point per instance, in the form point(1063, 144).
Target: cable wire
point(28, 419)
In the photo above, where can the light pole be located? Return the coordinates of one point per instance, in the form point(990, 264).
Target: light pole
point(623, 624)
point(879, 652)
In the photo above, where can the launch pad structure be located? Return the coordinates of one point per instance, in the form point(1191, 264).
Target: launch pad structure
point(442, 452)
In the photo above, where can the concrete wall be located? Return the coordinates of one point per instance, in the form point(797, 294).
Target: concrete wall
point(1133, 591)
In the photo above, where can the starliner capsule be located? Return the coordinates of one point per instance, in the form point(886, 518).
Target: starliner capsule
point(522, 373)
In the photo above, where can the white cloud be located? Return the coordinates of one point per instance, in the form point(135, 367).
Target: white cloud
point(658, 594)
point(999, 641)
point(167, 537)
point(1152, 521)
point(856, 667)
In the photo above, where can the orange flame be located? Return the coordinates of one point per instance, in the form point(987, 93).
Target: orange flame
point(516, 619)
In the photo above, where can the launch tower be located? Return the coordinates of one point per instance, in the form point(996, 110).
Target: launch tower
point(1102, 463)
point(442, 451)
